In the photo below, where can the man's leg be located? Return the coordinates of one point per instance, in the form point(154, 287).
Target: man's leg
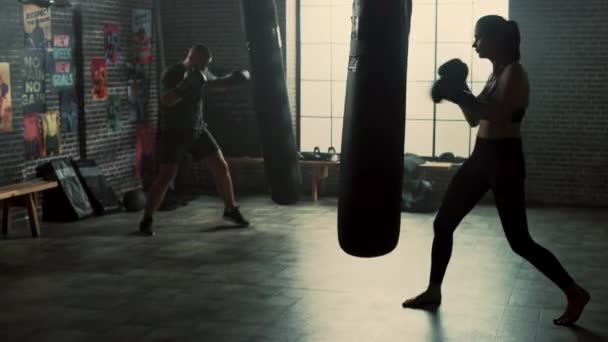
point(223, 182)
point(156, 194)
point(221, 177)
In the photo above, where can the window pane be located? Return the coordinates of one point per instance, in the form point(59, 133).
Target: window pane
point(315, 24)
point(316, 62)
point(423, 23)
point(316, 98)
point(336, 138)
point(473, 137)
point(455, 22)
point(421, 62)
point(338, 97)
point(447, 51)
point(419, 137)
point(341, 23)
point(339, 58)
point(477, 87)
point(485, 7)
point(418, 102)
point(314, 2)
point(446, 110)
point(482, 68)
point(452, 137)
point(315, 132)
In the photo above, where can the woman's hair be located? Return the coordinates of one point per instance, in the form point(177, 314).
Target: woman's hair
point(504, 32)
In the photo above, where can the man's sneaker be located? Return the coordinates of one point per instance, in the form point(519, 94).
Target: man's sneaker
point(145, 227)
point(234, 215)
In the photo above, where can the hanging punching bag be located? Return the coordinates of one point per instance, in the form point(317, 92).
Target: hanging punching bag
point(271, 101)
point(371, 176)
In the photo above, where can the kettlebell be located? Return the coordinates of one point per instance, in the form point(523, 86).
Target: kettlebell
point(332, 154)
point(317, 152)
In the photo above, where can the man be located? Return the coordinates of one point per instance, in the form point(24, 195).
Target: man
point(183, 130)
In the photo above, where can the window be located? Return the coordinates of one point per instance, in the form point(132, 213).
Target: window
point(440, 30)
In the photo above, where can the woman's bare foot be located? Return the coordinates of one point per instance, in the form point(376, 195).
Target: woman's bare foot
point(577, 299)
point(426, 298)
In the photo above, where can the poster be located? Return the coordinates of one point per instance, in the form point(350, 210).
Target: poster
point(138, 100)
point(37, 25)
point(142, 35)
point(31, 135)
point(6, 106)
point(111, 43)
point(113, 113)
point(51, 134)
point(63, 69)
point(68, 109)
point(145, 136)
point(99, 76)
point(34, 78)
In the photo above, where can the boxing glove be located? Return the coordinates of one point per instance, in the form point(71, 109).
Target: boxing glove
point(241, 75)
point(452, 81)
point(193, 80)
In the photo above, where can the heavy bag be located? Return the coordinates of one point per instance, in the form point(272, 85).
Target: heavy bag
point(373, 134)
point(101, 195)
point(67, 202)
point(271, 102)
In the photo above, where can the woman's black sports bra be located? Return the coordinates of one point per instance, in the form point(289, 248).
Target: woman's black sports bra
point(517, 116)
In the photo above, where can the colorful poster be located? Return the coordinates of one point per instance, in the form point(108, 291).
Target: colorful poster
point(142, 35)
point(31, 135)
point(111, 43)
point(138, 100)
point(99, 76)
point(6, 105)
point(113, 113)
point(34, 78)
point(51, 134)
point(37, 24)
point(63, 70)
point(145, 136)
point(68, 108)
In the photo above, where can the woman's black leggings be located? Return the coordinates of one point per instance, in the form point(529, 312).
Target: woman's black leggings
point(496, 164)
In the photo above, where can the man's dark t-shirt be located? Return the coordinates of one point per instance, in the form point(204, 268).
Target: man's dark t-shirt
point(185, 116)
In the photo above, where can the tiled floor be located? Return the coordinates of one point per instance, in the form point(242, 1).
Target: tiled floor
point(286, 279)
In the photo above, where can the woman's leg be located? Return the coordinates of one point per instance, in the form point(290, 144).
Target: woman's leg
point(465, 190)
point(510, 201)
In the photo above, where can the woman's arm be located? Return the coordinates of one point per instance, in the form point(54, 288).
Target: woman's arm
point(499, 108)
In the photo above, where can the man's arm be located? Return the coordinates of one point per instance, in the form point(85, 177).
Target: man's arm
point(173, 89)
point(221, 82)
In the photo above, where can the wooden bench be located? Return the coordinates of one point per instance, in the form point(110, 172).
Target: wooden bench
point(320, 170)
point(431, 166)
point(23, 195)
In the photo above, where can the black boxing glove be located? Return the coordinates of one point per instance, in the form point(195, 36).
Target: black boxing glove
point(240, 75)
point(193, 80)
point(451, 91)
point(452, 80)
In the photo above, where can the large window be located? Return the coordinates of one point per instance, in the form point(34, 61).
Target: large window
point(441, 30)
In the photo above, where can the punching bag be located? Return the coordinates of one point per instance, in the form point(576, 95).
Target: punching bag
point(271, 101)
point(373, 134)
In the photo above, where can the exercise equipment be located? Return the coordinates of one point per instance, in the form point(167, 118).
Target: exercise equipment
point(271, 101)
point(102, 197)
point(69, 201)
point(371, 177)
point(134, 200)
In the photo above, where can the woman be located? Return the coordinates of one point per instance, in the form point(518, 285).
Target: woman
point(496, 163)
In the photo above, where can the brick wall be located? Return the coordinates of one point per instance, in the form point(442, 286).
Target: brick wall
point(114, 152)
point(565, 49)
